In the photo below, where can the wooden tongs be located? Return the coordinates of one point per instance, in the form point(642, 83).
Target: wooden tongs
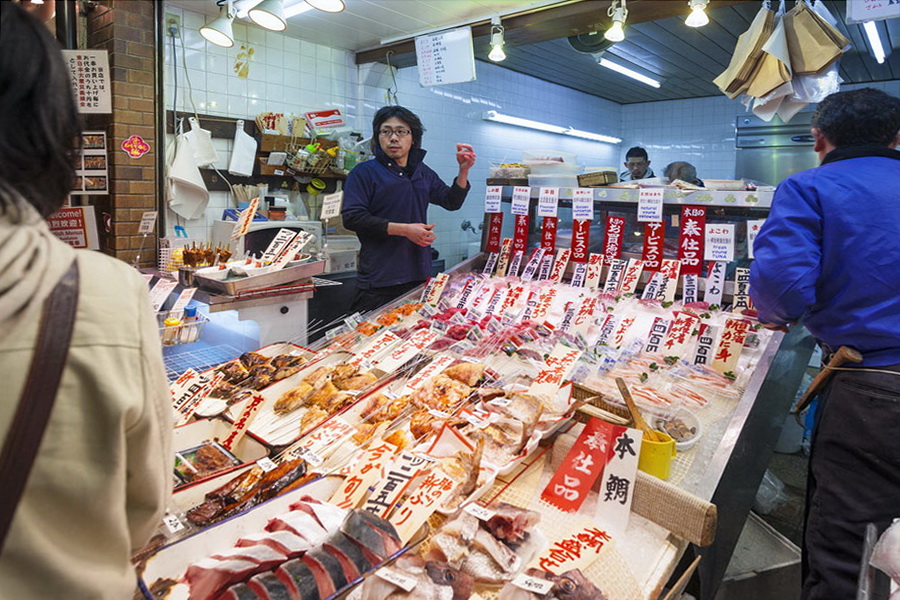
point(650, 434)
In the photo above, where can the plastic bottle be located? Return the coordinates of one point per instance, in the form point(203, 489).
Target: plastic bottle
point(171, 331)
point(189, 330)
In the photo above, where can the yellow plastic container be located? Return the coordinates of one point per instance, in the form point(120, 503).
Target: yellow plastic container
point(656, 457)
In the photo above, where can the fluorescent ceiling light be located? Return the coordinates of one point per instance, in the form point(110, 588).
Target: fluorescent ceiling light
point(874, 41)
point(698, 16)
point(219, 31)
point(332, 6)
point(269, 14)
point(628, 72)
point(493, 115)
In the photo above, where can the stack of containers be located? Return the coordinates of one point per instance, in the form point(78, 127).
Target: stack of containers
point(551, 168)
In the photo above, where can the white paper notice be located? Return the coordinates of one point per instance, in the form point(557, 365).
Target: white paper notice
point(446, 57)
point(583, 204)
point(331, 205)
point(719, 242)
point(650, 204)
point(548, 202)
point(160, 293)
point(148, 220)
point(753, 228)
point(492, 196)
point(521, 198)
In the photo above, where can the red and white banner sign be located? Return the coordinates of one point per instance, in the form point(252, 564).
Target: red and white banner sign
point(690, 241)
point(559, 265)
point(594, 272)
point(631, 276)
point(515, 292)
point(495, 232)
point(365, 473)
point(569, 487)
point(556, 366)
point(581, 232)
point(612, 246)
point(548, 233)
point(435, 287)
point(654, 237)
point(670, 269)
point(520, 234)
point(680, 334)
point(382, 342)
point(503, 263)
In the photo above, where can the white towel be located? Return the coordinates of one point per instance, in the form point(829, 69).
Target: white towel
point(200, 141)
point(187, 194)
point(243, 152)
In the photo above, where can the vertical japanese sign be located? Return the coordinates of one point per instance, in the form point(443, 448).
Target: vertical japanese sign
point(680, 334)
point(582, 214)
point(614, 275)
point(669, 270)
point(533, 263)
point(495, 230)
point(502, 265)
point(730, 345)
point(612, 244)
point(690, 241)
point(397, 479)
point(559, 265)
point(689, 289)
point(617, 485)
point(654, 238)
point(631, 276)
point(520, 201)
point(89, 71)
point(365, 473)
point(741, 290)
point(705, 340)
point(243, 223)
point(556, 366)
point(753, 228)
point(594, 271)
point(715, 284)
point(657, 334)
point(570, 485)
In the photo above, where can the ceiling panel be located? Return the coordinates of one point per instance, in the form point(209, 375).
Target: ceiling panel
point(685, 59)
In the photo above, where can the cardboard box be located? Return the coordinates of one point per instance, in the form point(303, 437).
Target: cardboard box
point(597, 178)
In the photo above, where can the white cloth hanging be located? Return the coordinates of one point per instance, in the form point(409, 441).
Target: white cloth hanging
point(243, 152)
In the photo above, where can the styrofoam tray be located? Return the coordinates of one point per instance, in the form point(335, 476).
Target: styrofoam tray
point(247, 449)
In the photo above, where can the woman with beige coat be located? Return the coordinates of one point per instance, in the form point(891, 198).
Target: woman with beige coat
point(98, 486)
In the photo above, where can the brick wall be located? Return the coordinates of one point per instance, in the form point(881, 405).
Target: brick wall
point(126, 29)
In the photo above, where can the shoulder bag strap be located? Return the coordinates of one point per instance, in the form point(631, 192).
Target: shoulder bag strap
point(36, 403)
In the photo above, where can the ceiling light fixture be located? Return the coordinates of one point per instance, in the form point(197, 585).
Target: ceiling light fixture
point(874, 41)
point(269, 14)
point(219, 31)
point(618, 12)
point(331, 6)
point(698, 17)
point(497, 42)
point(493, 115)
point(628, 72)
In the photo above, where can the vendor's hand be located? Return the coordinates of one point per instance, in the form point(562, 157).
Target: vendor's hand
point(420, 233)
point(465, 156)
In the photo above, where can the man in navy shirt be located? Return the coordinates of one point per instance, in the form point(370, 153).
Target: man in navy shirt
point(386, 203)
point(828, 254)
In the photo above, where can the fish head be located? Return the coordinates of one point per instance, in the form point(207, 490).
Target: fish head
point(573, 585)
point(443, 574)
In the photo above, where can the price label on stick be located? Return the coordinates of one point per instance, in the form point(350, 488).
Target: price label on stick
point(548, 202)
point(331, 205)
point(521, 198)
point(492, 196)
point(148, 220)
point(243, 223)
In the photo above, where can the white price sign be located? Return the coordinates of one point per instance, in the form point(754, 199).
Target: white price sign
point(719, 242)
point(521, 199)
point(266, 464)
point(539, 586)
point(405, 582)
point(148, 220)
point(173, 524)
point(583, 204)
point(492, 196)
point(160, 293)
point(186, 295)
point(650, 205)
point(480, 512)
point(548, 202)
point(331, 205)
point(243, 223)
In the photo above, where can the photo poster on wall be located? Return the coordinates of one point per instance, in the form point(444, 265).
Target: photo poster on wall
point(91, 167)
point(446, 57)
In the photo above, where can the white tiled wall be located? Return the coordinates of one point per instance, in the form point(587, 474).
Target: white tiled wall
point(699, 131)
point(452, 114)
point(294, 76)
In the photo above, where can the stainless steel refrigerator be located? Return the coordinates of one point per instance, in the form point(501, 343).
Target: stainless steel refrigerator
point(770, 152)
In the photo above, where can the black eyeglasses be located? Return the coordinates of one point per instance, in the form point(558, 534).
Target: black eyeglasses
point(386, 133)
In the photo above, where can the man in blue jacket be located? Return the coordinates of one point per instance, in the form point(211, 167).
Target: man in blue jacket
point(386, 203)
point(829, 254)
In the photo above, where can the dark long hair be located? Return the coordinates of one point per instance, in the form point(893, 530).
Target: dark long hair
point(39, 124)
point(404, 114)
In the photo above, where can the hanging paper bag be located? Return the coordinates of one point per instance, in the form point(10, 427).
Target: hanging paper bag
point(747, 54)
point(812, 41)
point(243, 152)
point(200, 141)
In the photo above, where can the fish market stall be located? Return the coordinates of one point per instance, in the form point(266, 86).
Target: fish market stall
point(474, 440)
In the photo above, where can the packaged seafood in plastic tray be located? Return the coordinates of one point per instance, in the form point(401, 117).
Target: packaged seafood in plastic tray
point(298, 404)
point(296, 544)
point(199, 456)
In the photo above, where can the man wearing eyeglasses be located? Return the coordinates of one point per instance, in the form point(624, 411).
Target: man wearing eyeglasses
point(638, 165)
point(386, 203)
